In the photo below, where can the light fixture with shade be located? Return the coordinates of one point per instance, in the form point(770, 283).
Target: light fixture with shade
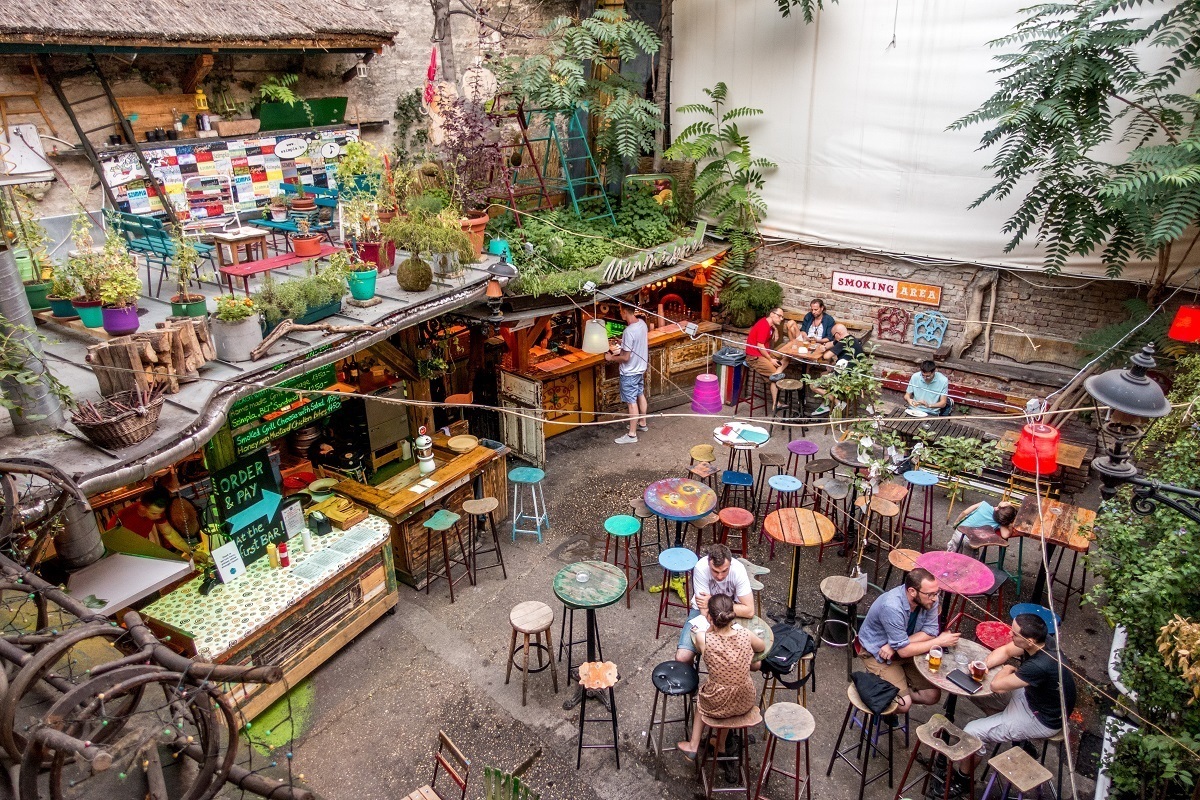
point(1186, 325)
point(499, 274)
point(1037, 449)
point(595, 337)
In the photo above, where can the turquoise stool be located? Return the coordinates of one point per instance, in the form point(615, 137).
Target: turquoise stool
point(922, 524)
point(784, 492)
point(625, 528)
point(531, 477)
point(737, 485)
point(674, 561)
point(440, 524)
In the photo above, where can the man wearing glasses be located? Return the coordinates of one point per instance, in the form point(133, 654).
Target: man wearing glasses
point(902, 624)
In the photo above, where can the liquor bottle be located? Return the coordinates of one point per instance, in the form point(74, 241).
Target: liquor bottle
point(177, 122)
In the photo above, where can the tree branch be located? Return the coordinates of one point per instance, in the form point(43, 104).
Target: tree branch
point(287, 326)
point(501, 27)
point(1151, 115)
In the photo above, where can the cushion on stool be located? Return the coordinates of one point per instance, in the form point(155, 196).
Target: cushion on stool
point(703, 452)
point(531, 617)
point(733, 478)
point(919, 477)
point(820, 466)
point(803, 447)
point(790, 722)
point(675, 678)
point(736, 517)
point(442, 520)
point(480, 505)
point(677, 559)
point(785, 483)
point(526, 475)
point(842, 590)
point(622, 525)
point(747, 720)
point(993, 635)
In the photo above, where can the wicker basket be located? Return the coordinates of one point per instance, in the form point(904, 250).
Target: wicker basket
point(127, 427)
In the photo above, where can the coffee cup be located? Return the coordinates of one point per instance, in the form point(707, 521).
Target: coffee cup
point(979, 670)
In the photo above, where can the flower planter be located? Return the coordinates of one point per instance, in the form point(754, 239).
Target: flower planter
point(24, 263)
point(36, 294)
point(474, 227)
point(120, 321)
point(234, 341)
point(306, 203)
point(62, 308)
point(279, 214)
point(362, 284)
point(192, 305)
point(306, 246)
point(375, 253)
point(89, 311)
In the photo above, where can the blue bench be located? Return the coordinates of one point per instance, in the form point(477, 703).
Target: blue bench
point(148, 237)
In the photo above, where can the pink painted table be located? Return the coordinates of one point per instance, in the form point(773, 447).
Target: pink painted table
point(680, 500)
point(958, 575)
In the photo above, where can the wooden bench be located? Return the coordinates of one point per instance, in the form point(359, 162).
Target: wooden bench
point(972, 396)
point(248, 268)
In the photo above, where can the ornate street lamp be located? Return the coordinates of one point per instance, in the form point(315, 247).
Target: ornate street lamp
point(1132, 399)
point(499, 274)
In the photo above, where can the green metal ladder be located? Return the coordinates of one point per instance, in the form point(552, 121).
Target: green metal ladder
point(583, 189)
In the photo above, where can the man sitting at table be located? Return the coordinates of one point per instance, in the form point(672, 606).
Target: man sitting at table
point(983, 515)
point(760, 341)
point(1026, 703)
point(817, 326)
point(929, 391)
point(716, 573)
point(903, 623)
point(844, 347)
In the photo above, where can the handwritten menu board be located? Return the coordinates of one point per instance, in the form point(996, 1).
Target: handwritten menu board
point(248, 497)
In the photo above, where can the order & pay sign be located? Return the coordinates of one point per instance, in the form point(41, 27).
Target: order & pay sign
point(248, 498)
point(888, 288)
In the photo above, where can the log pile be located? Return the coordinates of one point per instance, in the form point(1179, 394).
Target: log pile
point(171, 354)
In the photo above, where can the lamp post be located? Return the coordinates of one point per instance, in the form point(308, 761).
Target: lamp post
point(499, 274)
point(1132, 399)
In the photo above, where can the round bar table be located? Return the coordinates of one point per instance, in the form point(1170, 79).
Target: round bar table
point(957, 574)
point(941, 678)
point(798, 527)
point(743, 438)
point(759, 627)
point(605, 584)
point(680, 500)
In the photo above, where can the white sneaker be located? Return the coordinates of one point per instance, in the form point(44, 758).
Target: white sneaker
point(841, 405)
point(820, 410)
point(627, 439)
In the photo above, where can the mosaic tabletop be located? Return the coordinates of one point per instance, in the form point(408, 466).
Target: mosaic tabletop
point(680, 499)
point(603, 584)
point(231, 612)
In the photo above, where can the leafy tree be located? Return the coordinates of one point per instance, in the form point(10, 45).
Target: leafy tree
point(1071, 83)
point(807, 7)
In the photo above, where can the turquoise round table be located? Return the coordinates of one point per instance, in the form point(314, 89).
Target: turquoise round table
point(602, 585)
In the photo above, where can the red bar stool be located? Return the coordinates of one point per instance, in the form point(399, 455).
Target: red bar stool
point(674, 561)
point(800, 451)
point(754, 391)
point(922, 522)
point(736, 522)
point(707, 765)
point(793, 724)
point(992, 634)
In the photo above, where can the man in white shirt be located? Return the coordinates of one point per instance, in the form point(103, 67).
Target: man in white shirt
point(634, 357)
point(716, 573)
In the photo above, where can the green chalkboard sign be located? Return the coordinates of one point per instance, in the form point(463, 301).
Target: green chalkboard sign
point(270, 401)
point(276, 412)
point(248, 499)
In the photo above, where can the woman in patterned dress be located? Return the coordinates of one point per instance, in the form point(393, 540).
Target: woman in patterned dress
point(728, 650)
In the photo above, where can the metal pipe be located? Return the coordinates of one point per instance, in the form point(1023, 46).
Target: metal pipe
point(40, 409)
point(79, 543)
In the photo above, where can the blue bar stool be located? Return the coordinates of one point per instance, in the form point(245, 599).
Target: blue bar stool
point(622, 528)
point(784, 492)
point(922, 523)
point(674, 561)
point(1053, 621)
point(531, 477)
point(738, 489)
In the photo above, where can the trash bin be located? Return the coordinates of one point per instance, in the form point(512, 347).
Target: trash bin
point(731, 361)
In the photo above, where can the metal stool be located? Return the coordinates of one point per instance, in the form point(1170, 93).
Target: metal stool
point(868, 740)
point(439, 523)
point(671, 679)
point(721, 727)
point(830, 496)
point(738, 487)
point(753, 391)
point(674, 561)
point(592, 678)
point(992, 602)
point(793, 724)
point(567, 640)
point(710, 520)
point(1069, 584)
point(951, 743)
point(842, 594)
point(483, 510)
point(784, 492)
point(535, 619)
point(741, 458)
point(623, 527)
point(800, 451)
point(901, 559)
point(1018, 770)
point(766, 461)
point(736, 522)
point(922, 523)
point(790, 408)
point(812, 471)
point(531, 477)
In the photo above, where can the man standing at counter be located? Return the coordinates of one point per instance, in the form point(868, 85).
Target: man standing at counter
point(634, 358)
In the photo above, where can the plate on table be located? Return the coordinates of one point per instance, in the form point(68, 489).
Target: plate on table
point(462, 444)
point(915, 412)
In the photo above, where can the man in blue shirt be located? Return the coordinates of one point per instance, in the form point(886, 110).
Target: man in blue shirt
point(929, 391)
point(903, 623)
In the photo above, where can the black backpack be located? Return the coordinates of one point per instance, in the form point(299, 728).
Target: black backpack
point(791, 644)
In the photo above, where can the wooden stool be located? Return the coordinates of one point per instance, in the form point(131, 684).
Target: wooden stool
point(767, 462)
point(738, 488)
point(882, 521)
point(784, 492)
point(440, 523)
point(705, 472)
point(944, 739)
point(624, 528)
point(800, 451)
point(806, 673)
point(1059, 740)
point(895, 492)
point(1019, 770)
point(868, 740)
point(707, 521)
point(812, 471)
point(674, 561)
point(671, 679)
point(736, 522)
point(532, 478)
point(535, 619)
point(901, 559)
point(790, 408)
point(830, 499)
point(638, 506)
point(922, 522)
point(596, 676)
point(459, 771)
point(480, 510)
point(722, 727)
point(793, 724)
point(843, 594)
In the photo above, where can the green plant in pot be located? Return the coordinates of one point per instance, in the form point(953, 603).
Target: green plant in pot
point(360, 221)
point(360, 275)
point(958, 457)
point(119, 287)
point(86, 263)
point(26, 236)
point(304, 242)
point(394, 191)
point(359, 170)
point(279, 208)
point(185, 303)
point(236, 328)
point(302, 200)
point(63, 286)
point(437, 238)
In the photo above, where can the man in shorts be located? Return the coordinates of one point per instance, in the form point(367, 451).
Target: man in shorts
point(902, 624)
point(716, 573)
point(760, 343)
point(634, 357)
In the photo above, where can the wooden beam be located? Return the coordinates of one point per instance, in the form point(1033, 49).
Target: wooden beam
point(395, 358)
point(417, 389)
point(198, 72)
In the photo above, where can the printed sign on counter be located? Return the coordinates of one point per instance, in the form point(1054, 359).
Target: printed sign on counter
point(248, 497)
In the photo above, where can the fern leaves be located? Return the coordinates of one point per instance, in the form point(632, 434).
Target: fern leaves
point(808, 8)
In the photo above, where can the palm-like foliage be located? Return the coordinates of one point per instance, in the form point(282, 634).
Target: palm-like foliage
point(807, 7)
point(1074, 83)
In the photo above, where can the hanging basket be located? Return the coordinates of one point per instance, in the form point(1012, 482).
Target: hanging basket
point(128, 424)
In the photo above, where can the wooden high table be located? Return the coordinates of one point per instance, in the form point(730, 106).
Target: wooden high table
point(941, 678)
point(798, 527)
point(248, 238)
point(1061, 524)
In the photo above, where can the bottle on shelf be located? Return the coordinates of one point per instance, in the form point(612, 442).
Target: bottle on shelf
point(177, 122)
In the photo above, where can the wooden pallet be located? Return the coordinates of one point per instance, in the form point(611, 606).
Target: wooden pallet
point(47, 316)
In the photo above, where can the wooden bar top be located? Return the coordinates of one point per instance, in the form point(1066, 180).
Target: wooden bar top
point(1061, 524)
point(396, 505)
point(579, 360)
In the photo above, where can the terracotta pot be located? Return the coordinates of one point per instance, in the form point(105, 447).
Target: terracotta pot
point(474, 227)
point(307, 246)
point(306, 203)
point(89, 312)
point(387, 216)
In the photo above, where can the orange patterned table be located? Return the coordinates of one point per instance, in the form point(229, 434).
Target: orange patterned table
point(798, 527)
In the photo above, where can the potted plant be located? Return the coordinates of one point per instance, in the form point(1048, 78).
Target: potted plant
point(359, 170)
point(305, 243)
point(236, 328)
point(303, 201)
point(63, 286)
point(360, 275)
point(279, 208)
point(119, 287)
point(957, 457)
point(393, 191)
point(471, 153)
point(305, 300)
point(184, 303)
point(436, 238)
point(360, 220)
point(26, 236)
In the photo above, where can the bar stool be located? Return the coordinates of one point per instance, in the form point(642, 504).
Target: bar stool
point(702, 454)
point(532, 478)
point(622, 528)
point(753, 391)
point(707, 521)
point(722, 727)
point(638, 506)
point(793, 724)
point(705, 473)
point(784, 492)
point(813, 470)
point(737, 487)
point(951, 743)
point(440, 523)
point(882, 521)
point(790, 408)
point(483, 510)
point(741, 458)
point(671, 679)
point(535, 619)
point(736, 522)
point(800, 451)
point(843, 595)
point(830, 499)
point(674, 561)
point(1053, 621)
point(598, 676)
point(567, 640)
point(893, 491)
point(921, 523)
point(766, 461)
point(1069, 584)
point(1018, 770)
point(871, 726)
point(992, 634)
point(806, 673)
point(899, 558)
point(1060, 741)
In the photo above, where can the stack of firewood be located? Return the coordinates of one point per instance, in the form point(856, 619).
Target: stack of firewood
point(169, 355)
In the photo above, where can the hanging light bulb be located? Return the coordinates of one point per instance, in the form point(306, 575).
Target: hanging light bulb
point(595, 337)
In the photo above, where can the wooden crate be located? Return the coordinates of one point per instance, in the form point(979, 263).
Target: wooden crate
point(154, 111)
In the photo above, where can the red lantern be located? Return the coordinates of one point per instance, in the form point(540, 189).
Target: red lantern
point(1037, 449)
point(1186, 325)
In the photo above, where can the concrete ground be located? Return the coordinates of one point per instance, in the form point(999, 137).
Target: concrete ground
point(433, 666)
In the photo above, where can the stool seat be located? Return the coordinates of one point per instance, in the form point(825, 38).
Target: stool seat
point(999, 578)
point(919, 477)
point(442, 520)
point(675, 678)
point(836, 488)
point(771, 460)
point(1020, 769)
point(903, 559)
point(993, 635)
point(803, 447)
point(480, 506)
point(755, 584)
point(733, 478)
point(703, 453)
point(677, 559)
point(784, 483)
point(857, 702)
point(820, 465)
point(531, 617)
point(842, 590)
point(748, 720)
point(460, 399)
point(736, 517)
point(753, 569)
point(884, 508)
point(707, 521)
point(526, 475)
point(1048, 616)
point(960, 745)
point(892, 491)
point(703, 470)
point(789, 384)
point(622, 525)
point(790, 722)
point(638, 505)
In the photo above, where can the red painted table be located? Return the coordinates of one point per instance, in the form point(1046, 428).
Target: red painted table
point(957, 574)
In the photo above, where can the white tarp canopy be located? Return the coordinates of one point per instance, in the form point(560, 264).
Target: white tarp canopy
point(858, 124)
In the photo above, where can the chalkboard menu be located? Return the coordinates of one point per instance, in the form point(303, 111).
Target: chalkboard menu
point(248, 499)
point(272, 413)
